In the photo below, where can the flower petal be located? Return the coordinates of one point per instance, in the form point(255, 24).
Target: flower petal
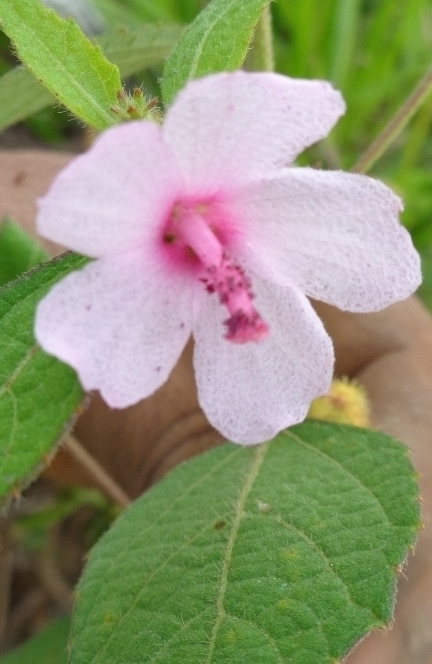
point(120, 325)
point(231, 128)
point(113, 195)
point(250, 392)
point(336, 236)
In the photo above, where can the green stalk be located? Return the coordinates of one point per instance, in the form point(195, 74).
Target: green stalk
point(395, 126)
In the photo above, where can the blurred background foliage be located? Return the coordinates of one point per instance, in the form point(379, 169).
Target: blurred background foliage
point(374, 51)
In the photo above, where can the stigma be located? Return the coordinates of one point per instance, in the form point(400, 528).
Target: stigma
point(190, 232)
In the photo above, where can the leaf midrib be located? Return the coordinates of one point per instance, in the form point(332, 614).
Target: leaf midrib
point(195, 62)
point(250, 478)
point(89, 98)
point(113, 561)
point(30, 353)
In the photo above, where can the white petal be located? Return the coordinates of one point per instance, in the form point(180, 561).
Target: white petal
point(231, 128)
point(335, 235)
point(251, 391)
point(114, 195)
point(121, 324)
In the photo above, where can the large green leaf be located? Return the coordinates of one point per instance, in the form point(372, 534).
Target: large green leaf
point(131, 50)
point(284, 552)
point(38, 394)
point(18, 251)
point(64, 59)
point(217, 40)
point(47, 647)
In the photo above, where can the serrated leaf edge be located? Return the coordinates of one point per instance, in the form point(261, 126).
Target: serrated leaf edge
point(107, 116)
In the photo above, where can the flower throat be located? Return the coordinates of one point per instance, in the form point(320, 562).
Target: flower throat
point(189, 230)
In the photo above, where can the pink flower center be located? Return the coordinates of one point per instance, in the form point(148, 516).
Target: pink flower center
point(188, 229)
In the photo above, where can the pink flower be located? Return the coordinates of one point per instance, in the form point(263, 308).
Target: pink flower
point(199, 227)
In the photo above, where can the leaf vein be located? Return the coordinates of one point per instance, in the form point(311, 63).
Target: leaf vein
point(60, 67)
point(345, 471)
point(21, 366)
point(184, 626)
point(195, 62)
point(113, 561)
point(239, 514)
point(326, 559)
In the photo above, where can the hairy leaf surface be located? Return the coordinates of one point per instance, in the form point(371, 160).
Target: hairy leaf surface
point(131, 50)
point(64, 60)
point(38, 394)
point(217, 40)
point(284, 552)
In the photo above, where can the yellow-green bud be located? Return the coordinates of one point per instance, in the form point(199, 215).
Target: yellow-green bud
point(346, 403)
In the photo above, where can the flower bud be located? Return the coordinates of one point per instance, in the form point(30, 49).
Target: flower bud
point(346, 403)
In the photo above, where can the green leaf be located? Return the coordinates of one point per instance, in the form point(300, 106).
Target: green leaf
point(22, 95)
point(38, 394)
point(131, 50)
point(217, 40)
point(134, 12)
point(118, 15)
point(64, 59)
point(284, 552)
point(18, 251)
point(135, 50)
point(47, 647)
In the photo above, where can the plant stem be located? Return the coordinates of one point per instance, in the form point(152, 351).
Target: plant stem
point(261, 56)
point(99, 474)
point(394, 127)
